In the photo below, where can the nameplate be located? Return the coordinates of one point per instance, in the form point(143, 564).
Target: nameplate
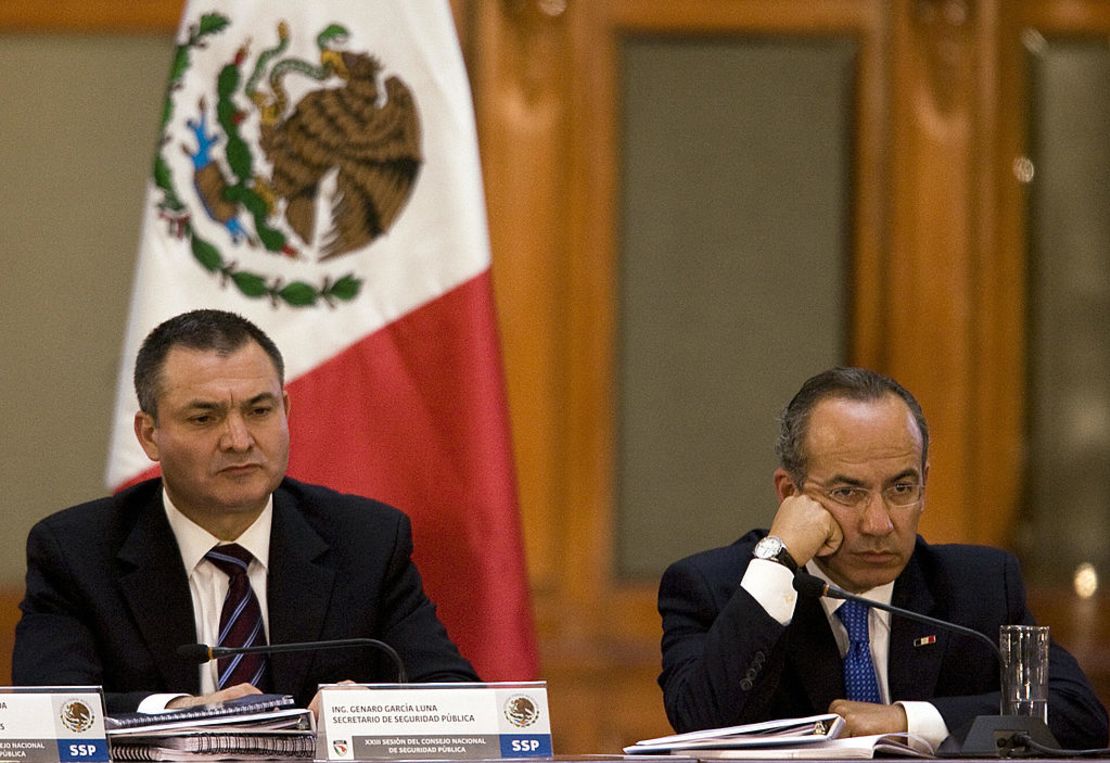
point(462, 721)
point(52, 723)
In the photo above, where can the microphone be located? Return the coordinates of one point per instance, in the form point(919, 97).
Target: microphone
point(989, 735)
point(199, 653)
point(815, 587)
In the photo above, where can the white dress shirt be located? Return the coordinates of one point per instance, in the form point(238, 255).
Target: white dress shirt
point(208, 584)
point(772, 585)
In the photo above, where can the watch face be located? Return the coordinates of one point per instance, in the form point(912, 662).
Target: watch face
point(772, 549)
point(768, 548)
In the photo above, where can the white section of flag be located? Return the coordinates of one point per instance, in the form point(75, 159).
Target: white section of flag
point(438, 241)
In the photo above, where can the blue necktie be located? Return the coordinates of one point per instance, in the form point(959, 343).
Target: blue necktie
point(860, 683)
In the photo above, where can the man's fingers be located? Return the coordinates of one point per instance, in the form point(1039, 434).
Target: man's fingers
point(805, 526)
point(223, 695)
point(833, 540)
point(314, 705)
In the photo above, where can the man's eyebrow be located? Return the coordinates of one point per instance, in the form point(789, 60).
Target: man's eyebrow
point(842, 479)
point(204, 405)
point(210, 405)
point(262, 397)
point(904, 474)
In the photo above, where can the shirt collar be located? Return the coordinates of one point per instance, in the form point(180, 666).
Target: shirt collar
point(881, 594)
point(194, 541)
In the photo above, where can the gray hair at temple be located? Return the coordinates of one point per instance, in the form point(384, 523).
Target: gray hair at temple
point(216, 330)
point(858, 384)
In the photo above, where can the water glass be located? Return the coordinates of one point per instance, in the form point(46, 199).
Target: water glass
point(1024, 670)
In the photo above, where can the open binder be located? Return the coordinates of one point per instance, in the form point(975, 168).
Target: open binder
point(815, 737)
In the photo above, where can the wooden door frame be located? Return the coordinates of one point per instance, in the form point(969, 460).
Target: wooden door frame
point(597, 31)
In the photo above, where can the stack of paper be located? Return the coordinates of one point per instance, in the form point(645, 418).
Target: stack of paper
point(785, 733)
point(252, 727)
point(815, 737)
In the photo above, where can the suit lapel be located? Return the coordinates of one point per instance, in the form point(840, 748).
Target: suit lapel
point(814, 654)
point(156, 587)
point(299, 589)
point(916, 649)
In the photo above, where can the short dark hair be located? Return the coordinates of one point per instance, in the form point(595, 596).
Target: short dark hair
point(216, 330)
point(859, 384)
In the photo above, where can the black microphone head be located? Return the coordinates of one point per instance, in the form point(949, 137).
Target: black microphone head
point(809, 585)
point(194, 652)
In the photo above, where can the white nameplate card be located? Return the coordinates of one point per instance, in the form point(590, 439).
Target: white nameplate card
point(52, 723)
point(463, 721)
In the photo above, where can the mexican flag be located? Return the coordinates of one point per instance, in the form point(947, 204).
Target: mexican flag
point(317, 173)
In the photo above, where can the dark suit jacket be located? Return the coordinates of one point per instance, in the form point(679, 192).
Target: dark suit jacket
point(107, 600)
point(727, 662)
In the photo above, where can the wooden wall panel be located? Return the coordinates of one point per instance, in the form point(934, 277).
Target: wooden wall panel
point(997, 429)
point(10, 596)
point(931, 287)
point(521, 105)
point(90, 15)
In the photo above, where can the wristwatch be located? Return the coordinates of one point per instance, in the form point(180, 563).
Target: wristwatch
point(772, 549)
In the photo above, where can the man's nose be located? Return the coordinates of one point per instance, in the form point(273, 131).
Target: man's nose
point(237, 435)
point(875, 519)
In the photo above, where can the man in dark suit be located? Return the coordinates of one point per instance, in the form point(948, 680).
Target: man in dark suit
point(116, 585)
point(739, 646)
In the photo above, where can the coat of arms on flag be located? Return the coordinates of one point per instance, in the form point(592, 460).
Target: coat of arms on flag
point(290, 156)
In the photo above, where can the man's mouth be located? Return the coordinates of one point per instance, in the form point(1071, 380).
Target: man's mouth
point(875, 557)
point(239, 468)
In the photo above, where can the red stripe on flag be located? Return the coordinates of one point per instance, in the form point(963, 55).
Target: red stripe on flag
point(415, 415)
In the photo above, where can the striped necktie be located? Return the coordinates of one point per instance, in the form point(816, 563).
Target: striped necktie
point(860, 683)
point(240, 621)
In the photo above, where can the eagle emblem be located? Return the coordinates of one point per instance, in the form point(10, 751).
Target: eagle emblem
point(77, 716)
point(373, 145)
point(521, 711)
point(304, 158)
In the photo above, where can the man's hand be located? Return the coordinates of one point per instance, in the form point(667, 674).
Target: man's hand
point(865, 718)
point(231, 692)
point(807, 529)
point(314, 705)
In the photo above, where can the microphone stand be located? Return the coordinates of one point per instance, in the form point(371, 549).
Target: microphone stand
point(811, 585)
point(204, 653)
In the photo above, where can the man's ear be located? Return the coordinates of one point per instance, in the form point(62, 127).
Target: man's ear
point(144, 433)
point(784, 485)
